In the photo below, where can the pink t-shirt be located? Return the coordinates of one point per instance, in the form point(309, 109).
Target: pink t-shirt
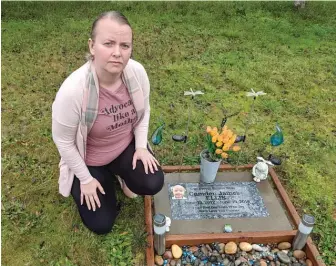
point(112, 131)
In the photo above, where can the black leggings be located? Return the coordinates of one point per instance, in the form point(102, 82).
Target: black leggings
point(101, 221)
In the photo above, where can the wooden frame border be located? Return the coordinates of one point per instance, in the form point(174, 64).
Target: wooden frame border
point(260, 237)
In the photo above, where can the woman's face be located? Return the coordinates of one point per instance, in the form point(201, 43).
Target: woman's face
point(112, 46)
point(178, 192)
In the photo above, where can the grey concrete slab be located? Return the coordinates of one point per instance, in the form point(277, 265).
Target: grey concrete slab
point(276, 221)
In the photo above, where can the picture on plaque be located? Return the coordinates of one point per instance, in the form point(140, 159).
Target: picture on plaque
point(178, 192)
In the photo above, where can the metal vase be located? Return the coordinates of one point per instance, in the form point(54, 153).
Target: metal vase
point(208, 169)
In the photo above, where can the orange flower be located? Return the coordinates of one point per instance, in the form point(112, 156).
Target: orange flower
point(214, 139)
point(225, 147)
point(236, 148)
point(215, 129)
point(229, 133)
point(213, 133)
point(224, 155)
point(208, 129)
point(232, 139)
point(226, 139)
point(220, 138)
point(218, 151)
point(219, 144)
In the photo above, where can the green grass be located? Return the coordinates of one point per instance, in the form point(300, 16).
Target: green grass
point(221, 48)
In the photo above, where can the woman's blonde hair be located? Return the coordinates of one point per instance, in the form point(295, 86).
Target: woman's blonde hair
point(113, 15)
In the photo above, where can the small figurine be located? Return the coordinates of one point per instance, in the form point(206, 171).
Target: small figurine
point(260, 170)
point(227, 228)
point(168, 224)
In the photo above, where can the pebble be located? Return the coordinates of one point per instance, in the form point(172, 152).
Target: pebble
point(299, 254)
point(283, 257)
point(179, 263)
point(272, 263)
point(244, 246)
point(284, 245)
point(177, 251)
point(208, 247)
point(263, 263)
point(197, 262)
point(172, 262)
point(226, 261)
point(158, 260)
point(237, 262)
point(231, 248)
point(193, 249)
point(270, 257)
point(308, 262)
point(167, 255)
point(204, 250)
point(257, 247)
point(221, 247)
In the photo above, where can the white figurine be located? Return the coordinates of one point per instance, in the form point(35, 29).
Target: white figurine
point(168, 223)
point(260, 170)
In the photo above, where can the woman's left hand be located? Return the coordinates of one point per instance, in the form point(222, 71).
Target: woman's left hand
point(147, 159)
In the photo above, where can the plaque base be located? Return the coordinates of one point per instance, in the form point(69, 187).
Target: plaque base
point(276, 220)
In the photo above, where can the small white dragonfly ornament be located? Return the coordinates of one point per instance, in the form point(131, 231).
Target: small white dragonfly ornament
point(192, 93)
point(255, 94)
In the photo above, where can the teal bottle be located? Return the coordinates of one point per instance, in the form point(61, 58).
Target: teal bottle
point(157, 135)
point(277, 138)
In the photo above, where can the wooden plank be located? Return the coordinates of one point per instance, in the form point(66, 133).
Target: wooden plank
point(194, 168)
point(252, 237)
point(313, 254)
point(149, 229)
point(284, 196)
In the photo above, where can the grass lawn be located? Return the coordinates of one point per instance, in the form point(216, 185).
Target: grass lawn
point(221, 48)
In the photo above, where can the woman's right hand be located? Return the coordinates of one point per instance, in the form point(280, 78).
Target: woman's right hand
point(89, 192)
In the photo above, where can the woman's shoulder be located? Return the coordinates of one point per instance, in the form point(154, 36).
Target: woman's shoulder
point(73, 86)
point(136, 66)
point(78, 78)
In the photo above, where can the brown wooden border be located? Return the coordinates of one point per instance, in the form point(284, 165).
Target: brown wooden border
point(256, 237)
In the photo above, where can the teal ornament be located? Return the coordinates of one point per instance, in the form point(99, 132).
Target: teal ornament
point(277, 138)
point(157, 135)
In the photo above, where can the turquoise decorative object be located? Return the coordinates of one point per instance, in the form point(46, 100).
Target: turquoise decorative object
point(157, 135)
point(277, 138)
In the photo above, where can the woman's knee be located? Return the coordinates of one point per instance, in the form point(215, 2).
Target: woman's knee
point(154, 183)
point(101, 227)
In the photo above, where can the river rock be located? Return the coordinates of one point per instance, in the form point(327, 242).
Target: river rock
point(308, 262)
point(284, 245)
point(226, 261)
point(263, 263)
point(204, 250)
point(167, 255)
point(208, 247)
point(179, 262)
point(177, 251)
point(244, 246)
point(158, 260)
point(237, 262)
point(257, 247)
point(221, 247)
point(283, 257)
point(193, 249)
point(172, 263)
point(197, 262)
point(299, 254)
point(230, 248)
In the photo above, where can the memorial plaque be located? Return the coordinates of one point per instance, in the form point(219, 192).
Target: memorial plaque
point(193, 201)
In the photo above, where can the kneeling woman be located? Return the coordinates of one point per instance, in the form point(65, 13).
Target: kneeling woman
point(100, 120)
